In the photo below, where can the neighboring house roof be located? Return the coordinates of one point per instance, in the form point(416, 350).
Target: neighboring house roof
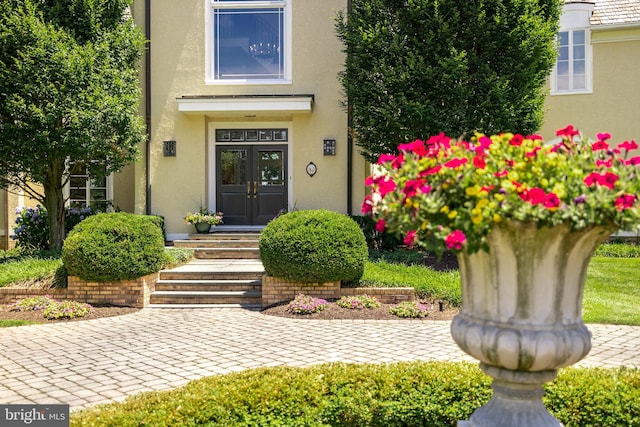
point(616, 12)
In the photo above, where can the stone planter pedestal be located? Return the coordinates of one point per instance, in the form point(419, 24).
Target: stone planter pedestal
point(521, 315)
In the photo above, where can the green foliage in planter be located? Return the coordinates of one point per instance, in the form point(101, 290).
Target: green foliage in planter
point(313, 246)
point(435, 394)
point(114, 246)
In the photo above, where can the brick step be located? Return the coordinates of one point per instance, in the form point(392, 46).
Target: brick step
point(216, 243)
point(206, 297)
point(227, 253)
point(209, 285)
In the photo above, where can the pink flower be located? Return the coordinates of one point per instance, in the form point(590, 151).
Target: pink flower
point(367, 205)
point(411, 187)
point(417, 147)
point(605, 163)
point(533, 196)
point(551, 201)
point(603, 136)
point(533, 152)
point(534, 137)
point(432, 171)
point(386, 186)
point(628, 145)
point(606, 179)
point(633, 161)
point(384, 158)
point(410, 238)
point(455, 240)
point(457, 162)
point(600, 145)
point(568, 132)
point(501, 174)
point(380, 225)
point(625, 201)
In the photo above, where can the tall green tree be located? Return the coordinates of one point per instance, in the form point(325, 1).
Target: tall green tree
point(69, 90)
point(416, 68)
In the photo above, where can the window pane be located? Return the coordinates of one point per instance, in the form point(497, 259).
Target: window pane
point(562, 83)
point(563, 38)
point(233, 167)
point(579, 82)
point(563, 68)
point(78, 194)
point(578, 37)
point(271, 167)
point(563, 54)
point(249, 43)
point(578, 52)
point(578, 67)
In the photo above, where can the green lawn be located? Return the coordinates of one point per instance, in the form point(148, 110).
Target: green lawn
point(612, 291)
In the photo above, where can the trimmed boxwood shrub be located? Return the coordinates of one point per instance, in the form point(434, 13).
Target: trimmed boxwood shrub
point(314, 246)
point(114, 246)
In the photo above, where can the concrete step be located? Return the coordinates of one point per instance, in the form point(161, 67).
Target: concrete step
point(210, 275)
point(216, 243)
point(227, 253)
point(206, 297)
point(225, 236)
point(208, 285)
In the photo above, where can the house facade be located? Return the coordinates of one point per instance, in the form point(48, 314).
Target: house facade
point(245, 116)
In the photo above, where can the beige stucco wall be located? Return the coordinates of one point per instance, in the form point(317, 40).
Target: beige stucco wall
point(614, 105)
point(180, 184)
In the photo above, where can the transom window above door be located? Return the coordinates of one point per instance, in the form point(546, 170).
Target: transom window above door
point(250, 41)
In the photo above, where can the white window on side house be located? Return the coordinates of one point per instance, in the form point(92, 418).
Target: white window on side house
point(85, 191)
point(572, 69)
point(249, 42)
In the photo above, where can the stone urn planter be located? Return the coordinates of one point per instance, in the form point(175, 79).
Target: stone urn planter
point(521, 315)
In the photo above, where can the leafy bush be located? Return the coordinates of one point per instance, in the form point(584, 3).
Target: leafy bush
point(358, 302)
point(618, 250)
point(32, 231)
point(379, 241)
point(435, 394)
point(31, 304)
point(305, 304)
point(410, 309)
point(176, 256)
point(313, 246)
point(113, 246)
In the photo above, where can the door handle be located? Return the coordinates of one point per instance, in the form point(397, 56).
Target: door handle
point(248, 189)
point(255, 189)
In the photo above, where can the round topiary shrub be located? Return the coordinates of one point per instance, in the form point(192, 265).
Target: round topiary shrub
point(314, 246)
point(113, 246)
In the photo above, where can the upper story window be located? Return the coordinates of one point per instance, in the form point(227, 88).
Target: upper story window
point(250, 41)
point(571, 65)
point(572, 72)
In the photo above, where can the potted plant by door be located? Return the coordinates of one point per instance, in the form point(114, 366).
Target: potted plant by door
point(203, 220)
point(524, 218)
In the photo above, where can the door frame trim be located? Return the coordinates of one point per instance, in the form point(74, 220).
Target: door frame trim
point(210, 164)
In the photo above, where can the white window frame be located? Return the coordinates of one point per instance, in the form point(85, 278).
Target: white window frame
point(575, 17)
point(88, 187)
point(211, 5)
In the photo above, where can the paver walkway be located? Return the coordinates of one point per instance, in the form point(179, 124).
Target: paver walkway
point(103, 360)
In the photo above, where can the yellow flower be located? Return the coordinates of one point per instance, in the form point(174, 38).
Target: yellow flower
point(476, 219)
point(444, 209)
point(497, 218)
point(472, 191)
point(452, 214)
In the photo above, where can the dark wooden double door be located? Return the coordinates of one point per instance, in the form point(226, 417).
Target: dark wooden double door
point(251, 183)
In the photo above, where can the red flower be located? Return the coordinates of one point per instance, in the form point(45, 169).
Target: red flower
point(434, 170)
point(386, 186)
point(625, 201)
point(412, 187)
point(605, 163)
point(533, 196)
point(633, 161)
point(501, 174)
point(568, 132)
point(533, 152)
point(417, 147)
point(516, 140)
point(551, 201)
point(455, 240)
point(457, 162)
point(606, 179)
point(384, 158)
point(380, 225)
point(603, 136)
point(479, 162)
point(628, 145)
point(534, 137)
point(367, 205)
point(410, 238)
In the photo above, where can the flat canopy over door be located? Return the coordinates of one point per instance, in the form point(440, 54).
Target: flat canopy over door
point(251, 183)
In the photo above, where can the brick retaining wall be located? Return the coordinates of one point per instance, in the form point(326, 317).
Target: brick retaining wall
point(277, 290)
point(131, 293)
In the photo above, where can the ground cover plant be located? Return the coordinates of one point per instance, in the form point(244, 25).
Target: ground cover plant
point(305, 304)
point(400, 394)
point(358, 302)
point(51, 308)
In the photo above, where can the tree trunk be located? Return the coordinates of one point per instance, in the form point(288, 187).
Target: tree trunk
point(54, 203)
